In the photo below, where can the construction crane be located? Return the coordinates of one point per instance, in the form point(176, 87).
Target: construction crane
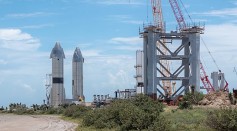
point(178, 14)
point(157, 14)
point(182, 27)
point(204, 78)
point(159, 23)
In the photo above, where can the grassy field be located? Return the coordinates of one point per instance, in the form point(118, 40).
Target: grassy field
point(181, 120)
point(187, 120)
point(83, 128)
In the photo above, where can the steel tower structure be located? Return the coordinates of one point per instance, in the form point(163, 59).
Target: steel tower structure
point(48, 85)
point(188, 52)
point(160, 25)
point(156, 51)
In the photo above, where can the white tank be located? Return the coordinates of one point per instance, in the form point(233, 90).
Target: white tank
point(77, 76)
point(57, 94)
point(139, 72)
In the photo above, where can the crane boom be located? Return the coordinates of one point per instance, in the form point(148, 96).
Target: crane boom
point(182, 26)
point(204, 78)
point(178, 14)
point(159, 23)
point(157, 14)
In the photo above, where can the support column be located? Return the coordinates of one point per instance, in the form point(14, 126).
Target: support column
point(150, 63)
point(186, 63)
point(194, 39)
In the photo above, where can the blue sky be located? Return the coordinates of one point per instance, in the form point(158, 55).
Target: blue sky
point(107, 32)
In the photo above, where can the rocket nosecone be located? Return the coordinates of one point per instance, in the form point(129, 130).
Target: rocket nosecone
point(77, 56)
point(57, 51)
point(77, 75)
point(57, 94)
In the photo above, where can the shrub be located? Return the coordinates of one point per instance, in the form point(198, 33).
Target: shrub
point(193, 98)
point(185, 105)
point(132, 114)
point(147, 104)
point(160, 124)
point(190, 99)
point(232, 99)
point(52, 110)
point(75, 111)
point(223, 119)
point(2, 108)
point(132, 117)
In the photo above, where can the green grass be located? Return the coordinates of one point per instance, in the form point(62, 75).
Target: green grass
point(181, 120)
point(79, 128)
point(83, 128)
point(188, 120)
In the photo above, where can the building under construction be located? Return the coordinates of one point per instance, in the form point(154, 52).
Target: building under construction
point(153, 74)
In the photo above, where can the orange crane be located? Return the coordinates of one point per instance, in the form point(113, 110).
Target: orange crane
point(159, 23)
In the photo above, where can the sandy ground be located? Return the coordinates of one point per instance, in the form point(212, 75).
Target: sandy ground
point(10, 122)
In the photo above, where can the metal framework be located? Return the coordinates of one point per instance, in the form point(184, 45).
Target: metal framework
point(157, 14)
point(159, 24)
point(48, 85)
point(188, 53)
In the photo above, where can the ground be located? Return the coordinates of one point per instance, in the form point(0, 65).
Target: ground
point(10, 122)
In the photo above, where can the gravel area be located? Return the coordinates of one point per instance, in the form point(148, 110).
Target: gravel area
point(10, 122)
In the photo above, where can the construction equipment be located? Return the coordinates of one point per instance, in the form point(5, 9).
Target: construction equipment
point(178, 14)
point(157, 14)
point(184, 28)
point(204, 78)
point(159, 23)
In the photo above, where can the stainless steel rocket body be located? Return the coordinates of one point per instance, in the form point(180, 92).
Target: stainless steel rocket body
point(57, 95)
point(77, 75)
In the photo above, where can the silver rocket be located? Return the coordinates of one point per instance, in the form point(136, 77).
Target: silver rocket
point(77, 75)
point(57, 94)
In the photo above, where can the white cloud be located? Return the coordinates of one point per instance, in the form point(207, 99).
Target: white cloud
point(125, 19)
point(221, 37)
point(221, 41)
point(3, 62)
point(220, 13)
point(36, 26)
point(28, 15)
point(91, 53)
point(15, 39)
point(28, 88)
point(129, 48)
point(117, 2)
point(28, 69)
point(127, 40)
point(137, 22)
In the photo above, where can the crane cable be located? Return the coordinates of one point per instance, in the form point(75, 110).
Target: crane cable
point(210, 54)
point(147, 8)
point(201, 38)
point(186, 11)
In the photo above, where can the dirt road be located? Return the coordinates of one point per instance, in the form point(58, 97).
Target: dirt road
point(10, 122)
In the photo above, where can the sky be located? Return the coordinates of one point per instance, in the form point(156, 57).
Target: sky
point(107, 32)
